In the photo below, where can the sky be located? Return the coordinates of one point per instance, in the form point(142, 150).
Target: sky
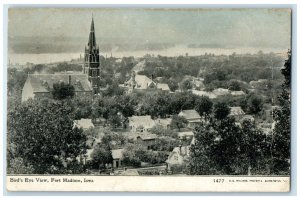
point(225, 27)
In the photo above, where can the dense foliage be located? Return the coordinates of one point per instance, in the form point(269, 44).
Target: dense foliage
point(42, 135)
point(282, 116)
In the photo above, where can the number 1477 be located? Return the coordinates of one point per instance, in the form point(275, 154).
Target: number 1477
point(218, 180)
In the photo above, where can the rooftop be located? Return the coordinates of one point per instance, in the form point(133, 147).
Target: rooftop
point(84, 123)
point(44, 82)
point(145, 121)
point(117, 153)
point(189, 114)
point(236, 111)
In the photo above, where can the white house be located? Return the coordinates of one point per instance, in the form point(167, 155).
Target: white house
point(192, 116)
point(84, 124)
point(140, 123)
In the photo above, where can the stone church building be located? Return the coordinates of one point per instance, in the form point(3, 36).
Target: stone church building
point(86, 83)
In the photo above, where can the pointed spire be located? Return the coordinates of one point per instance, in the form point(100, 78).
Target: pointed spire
point(92, 38)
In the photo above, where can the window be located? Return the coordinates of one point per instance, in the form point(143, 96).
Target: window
point(94, 72)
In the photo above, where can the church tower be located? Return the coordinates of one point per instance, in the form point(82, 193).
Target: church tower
point(91, 65)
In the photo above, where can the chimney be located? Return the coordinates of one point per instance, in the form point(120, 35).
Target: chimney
point(152, 77)
point(180, 146)
point(69, 80)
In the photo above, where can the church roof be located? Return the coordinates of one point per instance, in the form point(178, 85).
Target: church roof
point(44, 82)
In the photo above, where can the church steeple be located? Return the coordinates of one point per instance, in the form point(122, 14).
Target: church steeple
point(92, 38)
point(91, 65)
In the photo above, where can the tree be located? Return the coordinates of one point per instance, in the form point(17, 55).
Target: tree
point(222, 147)
point(178, 122)
point(173, 85)
point(62, 91)
point(101, 155)
point(43, 135)
point(203, 105)
point(186, 85)
point(255, 104)
point(255, 149)
point(221, 110)
point(114, 140)
point(113, 89)
point(282, 131)
point(17, 166)
point(132, 154)
point(234, 86)
point(201, 160)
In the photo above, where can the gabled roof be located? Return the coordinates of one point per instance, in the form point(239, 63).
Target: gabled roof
point(83, 123)
point(187, 133)
point(44, 82)
point(237, 93)
point(236, 111)
point(204, 93)
point(144, 121)
point(142, 81)
point(163, 86)
point(220, 91)
point(117, 153)
point(147, 136)
point(189, 114)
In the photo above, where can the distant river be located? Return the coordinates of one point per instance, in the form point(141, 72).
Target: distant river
point(174, 51)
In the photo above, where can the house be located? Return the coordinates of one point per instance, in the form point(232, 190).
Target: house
point(100, 122)
point(117, 155)
point(221, 92)
point(141, 83)
point(237, 113)
point(267, 128)
point(237, 93)
point(41, 85)
point(178, 159)
point(192, 116)
point(163, 87)
point(261, 83)
point(85, 124)
point(140, 123)
point(86, 157)
point(163, 122)
point(146, 140)
point(204, 93)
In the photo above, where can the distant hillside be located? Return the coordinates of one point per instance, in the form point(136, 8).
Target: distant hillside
point(36, 45)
